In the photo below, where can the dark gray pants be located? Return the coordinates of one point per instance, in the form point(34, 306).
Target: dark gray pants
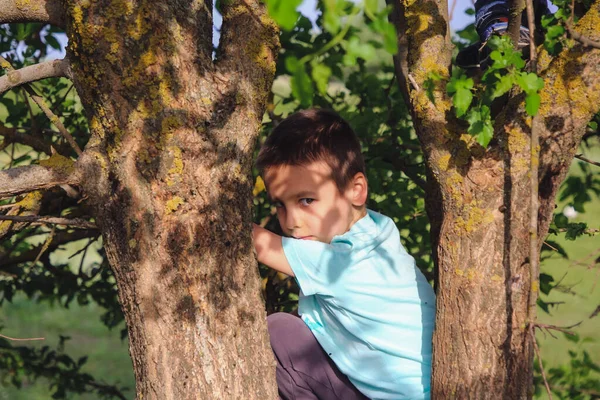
point(304, 371)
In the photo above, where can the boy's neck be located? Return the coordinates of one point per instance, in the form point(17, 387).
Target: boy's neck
point(359, 213)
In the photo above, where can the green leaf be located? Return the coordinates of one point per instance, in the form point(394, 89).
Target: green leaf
point(572, 338)
point(532, 103)
point(390, 39)
point(52, 42)
point(530, 82)
point(321, 74)
point(561, 221)
point(555, 31)
point(371, 6)
point(503, 85)
point(459, 87)
point(516, 59)
point(486, 134)
point(302, 88)
point(430, 83)
point(547, 20)
point(574, 230)
point(357, 49)
point(462, 100)
point(284, 12)
point(292, 64)
point(480, 125)
point(332, 13)
point(331, 22)
point(546, 283)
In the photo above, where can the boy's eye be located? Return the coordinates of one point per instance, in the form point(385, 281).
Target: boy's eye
point(306, 201)
point(278, 204)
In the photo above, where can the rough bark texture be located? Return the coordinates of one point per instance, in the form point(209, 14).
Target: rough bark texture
point(478, 202)
point(168, 172)
point(50, 11)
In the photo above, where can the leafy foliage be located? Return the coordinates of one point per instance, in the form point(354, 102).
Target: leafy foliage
point(505, 72)
point(345, 65)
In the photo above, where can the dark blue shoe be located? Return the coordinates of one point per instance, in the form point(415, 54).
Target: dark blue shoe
point(491, 18)
point(477, 55)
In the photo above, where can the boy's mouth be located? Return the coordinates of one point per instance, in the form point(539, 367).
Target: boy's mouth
point(309, 237)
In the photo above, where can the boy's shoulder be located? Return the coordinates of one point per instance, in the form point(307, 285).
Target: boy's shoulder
point(372, 227)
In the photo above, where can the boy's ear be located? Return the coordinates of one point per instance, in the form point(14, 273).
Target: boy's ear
point(359, 189)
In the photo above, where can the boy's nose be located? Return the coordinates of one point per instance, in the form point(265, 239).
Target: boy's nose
point(291, 220)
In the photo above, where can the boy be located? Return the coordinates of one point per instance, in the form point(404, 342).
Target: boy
point(367, 311)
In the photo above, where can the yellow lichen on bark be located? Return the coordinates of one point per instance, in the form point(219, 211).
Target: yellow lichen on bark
point(444, 162)
point(569, 88)
point(174, 173)
point(173, 204)
point(472, 218)
point(31, 200)
point(58, 163)
point(453, 185)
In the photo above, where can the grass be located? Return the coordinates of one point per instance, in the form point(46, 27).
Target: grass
point(108, 357)
point(579, 290)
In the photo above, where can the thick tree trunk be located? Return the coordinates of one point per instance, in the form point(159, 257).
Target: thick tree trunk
point(168, 171)
point(478, 203)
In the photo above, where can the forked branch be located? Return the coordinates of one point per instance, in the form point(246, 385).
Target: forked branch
point(49, 11)
point(587, 160)
point(32, 73)
point(586, 41)
point(42, 104)
point(19, 180)
point(244, 20)
point(38, 219)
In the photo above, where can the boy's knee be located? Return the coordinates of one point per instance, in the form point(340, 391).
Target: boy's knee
point(285, 332)
point(283, 324)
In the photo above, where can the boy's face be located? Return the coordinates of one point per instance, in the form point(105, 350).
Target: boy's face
point(309, 204)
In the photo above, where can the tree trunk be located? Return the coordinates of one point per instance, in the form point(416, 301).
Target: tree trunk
point(168, 171)
point(478, 202)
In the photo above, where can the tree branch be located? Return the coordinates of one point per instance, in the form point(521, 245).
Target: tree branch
point(587, 160)
point(61, 237)
point(576, 35)
point(49, 11)
point(12, 135)
point(20, 339)
point(32, 73)
point(38, 219)
point(539, 357)
point(249, 46)
point(42, 104)
point(19, 180)
point(514, 20)
point(424, 49)
point(583, 39)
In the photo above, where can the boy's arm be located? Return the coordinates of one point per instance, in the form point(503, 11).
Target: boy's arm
point(269, 250)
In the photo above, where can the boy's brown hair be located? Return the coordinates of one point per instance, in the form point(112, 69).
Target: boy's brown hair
point(314, 135)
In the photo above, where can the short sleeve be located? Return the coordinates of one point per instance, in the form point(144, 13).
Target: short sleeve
point(317, 266)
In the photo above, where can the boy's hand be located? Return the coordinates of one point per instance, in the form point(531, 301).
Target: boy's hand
point(269, 250)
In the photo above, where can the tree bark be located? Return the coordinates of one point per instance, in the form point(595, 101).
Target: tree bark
point(168, 172)
point(478, 205)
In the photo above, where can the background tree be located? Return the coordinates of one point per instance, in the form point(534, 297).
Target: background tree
point(165, 178)
point(345, 65)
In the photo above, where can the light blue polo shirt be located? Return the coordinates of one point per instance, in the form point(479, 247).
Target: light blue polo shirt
point(369, 307)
